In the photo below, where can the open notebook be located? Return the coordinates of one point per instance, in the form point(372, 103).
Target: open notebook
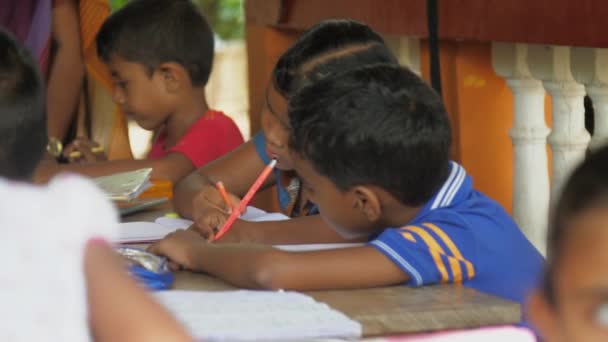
point(256, 316)
point(138, 232)
point(142, 232)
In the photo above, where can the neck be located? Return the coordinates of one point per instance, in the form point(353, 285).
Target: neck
point(395, 214)
point(185, 116)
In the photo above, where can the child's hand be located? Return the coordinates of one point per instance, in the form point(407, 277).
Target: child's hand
point(179, 247)
point(84, 150)
point(209, 197)
point(241, 231)
point(209, 222)
point(210, 211)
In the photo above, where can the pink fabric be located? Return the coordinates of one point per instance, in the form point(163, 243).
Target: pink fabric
point(30, 22)
point(506, 333)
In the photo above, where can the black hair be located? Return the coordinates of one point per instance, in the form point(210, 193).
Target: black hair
point(23, 134)
point(327, 47)
point(152, 32)
point(587, 187)
point(376, 125)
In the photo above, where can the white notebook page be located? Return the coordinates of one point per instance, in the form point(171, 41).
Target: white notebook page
point(256, 315)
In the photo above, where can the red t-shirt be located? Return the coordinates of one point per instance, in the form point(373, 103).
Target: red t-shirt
point(212, 136)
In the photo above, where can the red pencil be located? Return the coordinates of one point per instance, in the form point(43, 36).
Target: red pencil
point(245, 201)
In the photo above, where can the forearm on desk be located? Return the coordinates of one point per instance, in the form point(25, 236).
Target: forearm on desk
point(240, 265)
point(251, 266)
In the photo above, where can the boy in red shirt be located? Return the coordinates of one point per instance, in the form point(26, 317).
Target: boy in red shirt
point(160, 54)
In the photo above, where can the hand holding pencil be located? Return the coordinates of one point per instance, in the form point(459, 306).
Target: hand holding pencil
point(236, 212)
point(212, 219)
point(211, 209)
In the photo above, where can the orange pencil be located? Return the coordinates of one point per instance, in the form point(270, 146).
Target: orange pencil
point(220, 187)
point(243, 204)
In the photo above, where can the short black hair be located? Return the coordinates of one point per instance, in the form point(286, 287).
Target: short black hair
point(330, 46)
point(23, 134)
point(152, 32)
point(587, 187)
point(376, 125)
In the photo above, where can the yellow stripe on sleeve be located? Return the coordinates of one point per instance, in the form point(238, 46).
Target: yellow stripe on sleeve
point(435, 250)
point(452, 247)
point(408, 236)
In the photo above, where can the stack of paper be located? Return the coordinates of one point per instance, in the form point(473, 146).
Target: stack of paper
point(125, 186)
point(256, 316)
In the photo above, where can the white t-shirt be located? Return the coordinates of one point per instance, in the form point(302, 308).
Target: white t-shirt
point(44, 231)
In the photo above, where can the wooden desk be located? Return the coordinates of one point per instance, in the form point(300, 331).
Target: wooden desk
point(389, 310)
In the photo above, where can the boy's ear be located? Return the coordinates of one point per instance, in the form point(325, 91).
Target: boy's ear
point(542, 315)
point(173, 76)
point(367, 202)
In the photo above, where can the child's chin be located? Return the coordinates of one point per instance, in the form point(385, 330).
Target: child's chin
point(148, 126)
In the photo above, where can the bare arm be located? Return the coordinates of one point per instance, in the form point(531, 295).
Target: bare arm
point(254, 266)
point(299, 230)
point(120, 310)
point(67, 69)
point(172, 167)
point(237, 170)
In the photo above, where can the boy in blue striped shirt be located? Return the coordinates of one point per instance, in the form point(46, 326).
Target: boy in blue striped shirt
point(372, 149)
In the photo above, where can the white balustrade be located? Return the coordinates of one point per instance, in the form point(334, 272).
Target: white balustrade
point(590, 67)
point(569, 138)
point(528, 134)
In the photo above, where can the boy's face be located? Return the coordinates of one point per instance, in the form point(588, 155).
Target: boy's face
point(580, 283)
point(275, 125)
point(140, 96)
point(342, 210)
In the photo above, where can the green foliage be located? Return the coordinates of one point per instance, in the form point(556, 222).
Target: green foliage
point(225, 16)
point(116, 4)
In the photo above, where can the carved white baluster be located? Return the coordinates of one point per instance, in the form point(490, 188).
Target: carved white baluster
point(590, 67)
point(529, 135)
point(569, 138)
point(407, 51)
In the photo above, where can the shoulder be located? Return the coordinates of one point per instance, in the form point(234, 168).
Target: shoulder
point(216, 119)
point(216, 124)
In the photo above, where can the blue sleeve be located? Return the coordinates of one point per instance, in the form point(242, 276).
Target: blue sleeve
point(259, 141)
point(430, 253)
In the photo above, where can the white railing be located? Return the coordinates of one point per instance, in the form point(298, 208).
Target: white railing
point(566, 74)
